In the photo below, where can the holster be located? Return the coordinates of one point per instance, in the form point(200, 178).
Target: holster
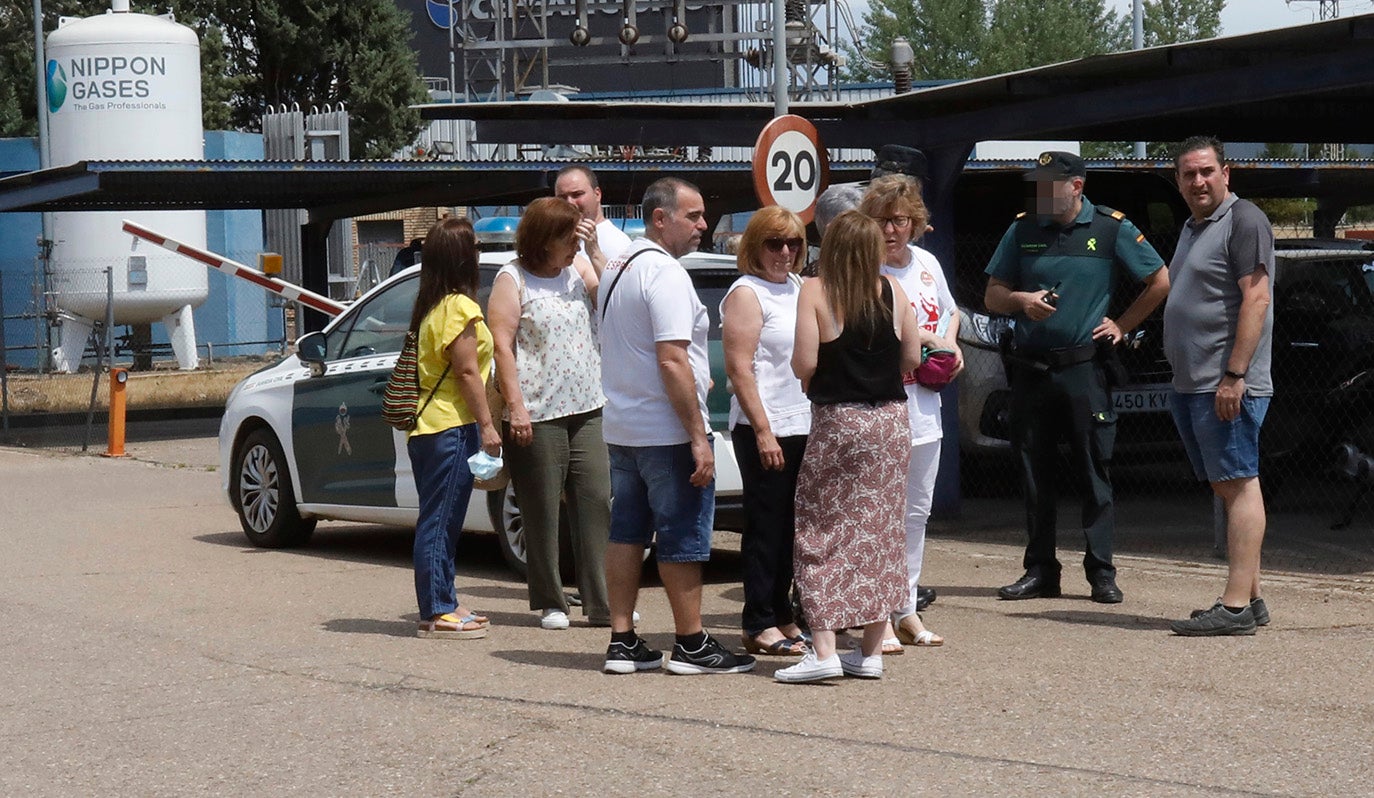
point(1109, 360)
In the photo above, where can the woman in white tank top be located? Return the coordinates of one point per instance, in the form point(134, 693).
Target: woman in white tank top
point(770, 417)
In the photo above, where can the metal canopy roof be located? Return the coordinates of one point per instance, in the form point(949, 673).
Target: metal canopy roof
point(1306, 83)
point(337, 190)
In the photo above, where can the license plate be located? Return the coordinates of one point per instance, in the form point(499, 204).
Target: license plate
point(1145, 399)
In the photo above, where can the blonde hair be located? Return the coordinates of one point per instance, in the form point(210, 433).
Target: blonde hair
point(768, 222)
point(851, 253)
point(897, 195)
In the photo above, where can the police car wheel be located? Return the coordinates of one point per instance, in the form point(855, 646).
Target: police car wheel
point(504, 513)
point(263, 494)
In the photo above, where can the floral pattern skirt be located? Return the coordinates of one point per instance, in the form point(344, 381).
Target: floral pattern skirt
point(850, 555)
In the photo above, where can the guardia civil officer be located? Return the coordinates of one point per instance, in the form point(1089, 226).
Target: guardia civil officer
point(1054, 272)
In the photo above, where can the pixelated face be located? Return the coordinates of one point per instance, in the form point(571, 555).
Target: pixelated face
point(1057, 198)
point(1203, 181)
point(574, 187)
point(680, 231)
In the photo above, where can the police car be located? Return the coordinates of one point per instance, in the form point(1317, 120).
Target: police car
point(303, 440)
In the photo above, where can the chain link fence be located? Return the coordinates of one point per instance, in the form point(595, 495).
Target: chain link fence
point(1319, 431)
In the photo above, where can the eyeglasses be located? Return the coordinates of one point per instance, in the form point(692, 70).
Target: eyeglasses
point(776, 244)
point(898, 222)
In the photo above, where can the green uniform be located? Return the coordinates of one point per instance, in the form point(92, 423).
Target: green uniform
point(1067, 397)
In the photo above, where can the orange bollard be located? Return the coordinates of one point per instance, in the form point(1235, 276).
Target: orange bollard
point(118, 379)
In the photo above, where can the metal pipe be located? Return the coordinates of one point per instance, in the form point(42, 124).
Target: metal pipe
point(1138, 43)
point(453, 59)
point(779, 58)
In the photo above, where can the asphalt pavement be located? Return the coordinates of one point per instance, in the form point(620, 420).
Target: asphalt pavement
point(153, 652)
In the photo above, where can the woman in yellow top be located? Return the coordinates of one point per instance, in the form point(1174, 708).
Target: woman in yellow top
point(457, 421)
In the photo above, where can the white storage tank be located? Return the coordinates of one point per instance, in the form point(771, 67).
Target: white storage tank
point(124, 87)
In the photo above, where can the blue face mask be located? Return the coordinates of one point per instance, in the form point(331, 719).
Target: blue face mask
point(483, 465)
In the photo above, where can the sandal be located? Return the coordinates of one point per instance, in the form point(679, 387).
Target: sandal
point(785, 647)
point(450, 627)
point(472, 617)
point(923, 639)
point(892, 646)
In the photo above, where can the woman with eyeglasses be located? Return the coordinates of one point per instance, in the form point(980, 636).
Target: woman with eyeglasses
point(542, 320)
point(895, 203)
point(854, 339)
point(770, 417)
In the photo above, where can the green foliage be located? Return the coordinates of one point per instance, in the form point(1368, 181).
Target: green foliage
point(268, 52)
point(1174, 21)
point(958, 39)
point(1287, 211)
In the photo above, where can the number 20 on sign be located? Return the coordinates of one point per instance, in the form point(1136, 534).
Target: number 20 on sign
point(790, 167)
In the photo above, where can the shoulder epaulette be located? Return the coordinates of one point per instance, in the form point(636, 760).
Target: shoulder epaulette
point(1021, 214)
point(1112, 212)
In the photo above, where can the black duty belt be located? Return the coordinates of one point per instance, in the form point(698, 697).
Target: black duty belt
point(1059, 358)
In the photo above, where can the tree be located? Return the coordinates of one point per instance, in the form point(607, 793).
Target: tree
point(1174, 21)
point(269, 52)
point(946, 36)
point(958, 39)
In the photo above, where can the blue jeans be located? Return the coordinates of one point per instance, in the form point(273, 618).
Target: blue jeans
point(444, 484)
point(651, 489)
point(1219, 451)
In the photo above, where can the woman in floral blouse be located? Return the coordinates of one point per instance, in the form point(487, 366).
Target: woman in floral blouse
point(542, 319)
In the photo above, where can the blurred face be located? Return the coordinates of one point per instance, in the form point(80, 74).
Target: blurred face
point(680, 231)
point(896, 229)
point(574, 187)
point(1058, 199)
point(1203, 181)
point(564, 250)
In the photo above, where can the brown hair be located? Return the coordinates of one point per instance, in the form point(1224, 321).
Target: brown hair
point(546, 221)
point(851, 253)
point(897, 195)
point(768, 222)
point(448, 265)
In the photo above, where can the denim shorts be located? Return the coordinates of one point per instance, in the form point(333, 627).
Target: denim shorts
point(651, 490)
point(1220, 451)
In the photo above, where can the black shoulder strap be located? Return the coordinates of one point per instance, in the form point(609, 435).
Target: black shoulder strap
point(621, 273)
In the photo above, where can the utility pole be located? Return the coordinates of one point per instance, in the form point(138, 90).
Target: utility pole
point(1328, 9)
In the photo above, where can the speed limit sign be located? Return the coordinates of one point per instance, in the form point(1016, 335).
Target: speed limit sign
point(791, 168)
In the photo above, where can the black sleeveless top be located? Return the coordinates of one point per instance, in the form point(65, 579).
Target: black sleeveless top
point(859, 367)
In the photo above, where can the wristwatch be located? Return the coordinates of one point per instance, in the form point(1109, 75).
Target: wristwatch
point(1235, 375)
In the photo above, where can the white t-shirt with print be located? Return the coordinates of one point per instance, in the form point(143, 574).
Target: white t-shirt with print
point(650, 300)
point(925, 285)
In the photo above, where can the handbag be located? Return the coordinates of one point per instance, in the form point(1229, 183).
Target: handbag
point(937, 368)
point(401, 406)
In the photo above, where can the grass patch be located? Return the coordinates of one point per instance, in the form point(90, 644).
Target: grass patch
point(160, 388)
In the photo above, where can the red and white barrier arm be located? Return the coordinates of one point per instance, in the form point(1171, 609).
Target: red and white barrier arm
point(281, 288)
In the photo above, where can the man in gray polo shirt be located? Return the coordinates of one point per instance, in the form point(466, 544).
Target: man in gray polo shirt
point(1217, 329)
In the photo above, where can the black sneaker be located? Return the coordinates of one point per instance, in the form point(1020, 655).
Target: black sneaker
point(1257, 607)
point(621, 658)
point(1217, 621)
point(710, 658)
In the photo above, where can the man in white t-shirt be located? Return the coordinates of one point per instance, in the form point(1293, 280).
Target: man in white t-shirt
point(600, 237)
point(655, 374)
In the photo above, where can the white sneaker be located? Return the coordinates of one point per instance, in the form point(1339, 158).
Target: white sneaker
point(554, 619)
point(811, 669)
point(854, 663)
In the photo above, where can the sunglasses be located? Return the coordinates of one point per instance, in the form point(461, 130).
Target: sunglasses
point(776, 244)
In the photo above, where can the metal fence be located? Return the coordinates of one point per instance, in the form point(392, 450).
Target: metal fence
point(231, 318)
point(1318, 430)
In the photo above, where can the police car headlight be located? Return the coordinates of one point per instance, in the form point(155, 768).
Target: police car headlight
point(980, 329)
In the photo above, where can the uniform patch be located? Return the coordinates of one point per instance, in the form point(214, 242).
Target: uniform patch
point(1092, 245)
